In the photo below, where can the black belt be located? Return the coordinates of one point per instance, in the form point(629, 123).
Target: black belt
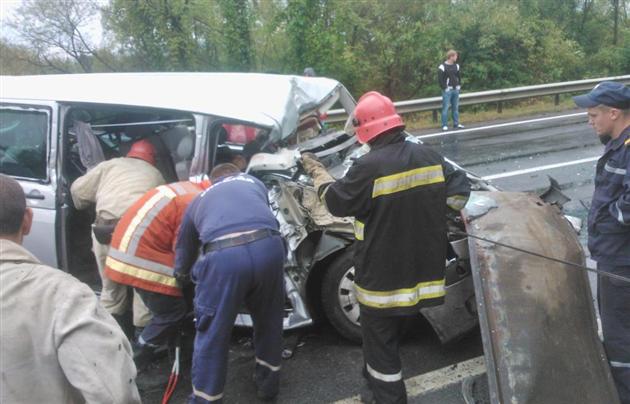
point(238, 240)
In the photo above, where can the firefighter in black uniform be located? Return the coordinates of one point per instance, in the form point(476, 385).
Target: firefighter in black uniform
point(398, 194)
point(609, 222)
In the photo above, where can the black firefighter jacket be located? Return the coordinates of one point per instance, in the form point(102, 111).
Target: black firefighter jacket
point(398, 195)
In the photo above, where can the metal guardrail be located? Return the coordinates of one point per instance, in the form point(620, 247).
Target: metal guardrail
point(481, 97)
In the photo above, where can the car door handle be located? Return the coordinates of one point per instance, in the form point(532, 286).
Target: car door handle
point(35, 194)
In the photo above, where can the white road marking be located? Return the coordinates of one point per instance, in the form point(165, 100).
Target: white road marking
point(499, 125)
point(437, 379)
point(539, 168)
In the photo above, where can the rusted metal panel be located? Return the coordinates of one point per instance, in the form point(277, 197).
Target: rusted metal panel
point(537, 317)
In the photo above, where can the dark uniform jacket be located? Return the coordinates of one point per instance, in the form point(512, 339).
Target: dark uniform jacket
point(232, 204)
point(609, 216)
point(398, 195)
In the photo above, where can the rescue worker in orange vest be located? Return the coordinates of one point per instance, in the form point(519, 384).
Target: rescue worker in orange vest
point(142, 255)
point(114, 185)
point(399, 193)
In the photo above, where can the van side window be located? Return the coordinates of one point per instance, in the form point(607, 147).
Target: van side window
point(23, 143)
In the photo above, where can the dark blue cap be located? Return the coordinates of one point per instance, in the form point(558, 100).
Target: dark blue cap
point(609, 93)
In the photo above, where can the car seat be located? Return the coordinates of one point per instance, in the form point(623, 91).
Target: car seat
point(181, 145)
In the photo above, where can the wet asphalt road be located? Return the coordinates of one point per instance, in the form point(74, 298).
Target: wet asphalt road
point(325, 367)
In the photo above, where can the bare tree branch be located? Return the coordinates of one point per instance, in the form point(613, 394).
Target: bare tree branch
point(58, 28)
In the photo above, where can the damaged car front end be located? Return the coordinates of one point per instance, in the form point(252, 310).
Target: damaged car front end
point(319, 267)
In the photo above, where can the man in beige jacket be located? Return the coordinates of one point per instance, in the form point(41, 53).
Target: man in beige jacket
point(114, 185)
point(57, 344)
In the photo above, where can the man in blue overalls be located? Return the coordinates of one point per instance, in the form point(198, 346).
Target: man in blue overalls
point(241, 262)
point(609, 222)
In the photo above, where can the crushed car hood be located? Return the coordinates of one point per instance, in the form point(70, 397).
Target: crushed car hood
point(537, 316)
point(270, 101)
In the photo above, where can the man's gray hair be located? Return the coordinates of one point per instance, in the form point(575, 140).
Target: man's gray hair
point(12, 206)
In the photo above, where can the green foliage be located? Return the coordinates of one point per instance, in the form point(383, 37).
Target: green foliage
point(164, 35)
point(236, 37)
point(501, 49)
point(16, 60)
point(393, 46)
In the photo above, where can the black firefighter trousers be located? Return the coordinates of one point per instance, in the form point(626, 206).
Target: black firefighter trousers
point(614, 308)
point(383, 370)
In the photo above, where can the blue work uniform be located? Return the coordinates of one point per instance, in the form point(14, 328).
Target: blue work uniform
point(234, 268)
point(609, 244)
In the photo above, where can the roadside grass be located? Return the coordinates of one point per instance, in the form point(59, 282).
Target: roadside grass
point(488, 112)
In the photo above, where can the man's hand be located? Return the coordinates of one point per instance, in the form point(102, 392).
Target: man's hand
point(311, 163)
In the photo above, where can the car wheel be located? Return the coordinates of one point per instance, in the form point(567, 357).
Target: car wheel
point(339, 299)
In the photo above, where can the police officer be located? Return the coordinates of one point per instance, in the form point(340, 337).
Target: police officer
point(242, 262)
point(398, 194)
point(609, 222)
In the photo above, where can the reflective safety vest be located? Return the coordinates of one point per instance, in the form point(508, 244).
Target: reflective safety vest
point(142, 251)
point(399, 194)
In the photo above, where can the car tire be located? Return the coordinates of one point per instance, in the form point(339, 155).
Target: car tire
point(338, 297)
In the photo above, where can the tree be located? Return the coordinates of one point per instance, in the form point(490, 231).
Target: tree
point(392, 46)
point(57, 30)
point(17, 60)
point(174, 35)
point(236, 34)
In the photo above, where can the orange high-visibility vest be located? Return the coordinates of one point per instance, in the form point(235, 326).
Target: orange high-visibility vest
point(142, 251)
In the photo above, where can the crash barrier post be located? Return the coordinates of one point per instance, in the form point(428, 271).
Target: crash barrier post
point(498, 96)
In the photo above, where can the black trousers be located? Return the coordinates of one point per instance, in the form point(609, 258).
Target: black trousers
point(168, 312)
point(381, 339)
point(614, 309)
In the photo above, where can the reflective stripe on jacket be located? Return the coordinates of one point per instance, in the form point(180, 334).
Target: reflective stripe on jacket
point(398, 194)
point(142, 252)
point(609, 215)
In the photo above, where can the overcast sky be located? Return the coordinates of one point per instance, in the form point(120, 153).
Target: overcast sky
point(9, 7)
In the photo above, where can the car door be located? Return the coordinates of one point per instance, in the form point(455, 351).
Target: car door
point(27, 153)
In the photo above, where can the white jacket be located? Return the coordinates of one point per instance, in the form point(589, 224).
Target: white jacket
point(114, 185)
point(57, 344)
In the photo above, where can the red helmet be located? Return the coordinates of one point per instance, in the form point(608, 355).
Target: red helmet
point(143, 150)
point(374, 115)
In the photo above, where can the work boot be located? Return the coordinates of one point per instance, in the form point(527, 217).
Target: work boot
point(366, 394)
point(267, 383)
point(145, 354)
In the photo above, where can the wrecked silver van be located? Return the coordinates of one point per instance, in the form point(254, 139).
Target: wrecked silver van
point(53, 128)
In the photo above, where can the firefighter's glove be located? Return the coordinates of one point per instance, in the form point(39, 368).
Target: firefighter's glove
point(310, 162)
point(317, 171)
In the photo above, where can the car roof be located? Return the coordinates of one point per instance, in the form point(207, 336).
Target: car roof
point(267, 100)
